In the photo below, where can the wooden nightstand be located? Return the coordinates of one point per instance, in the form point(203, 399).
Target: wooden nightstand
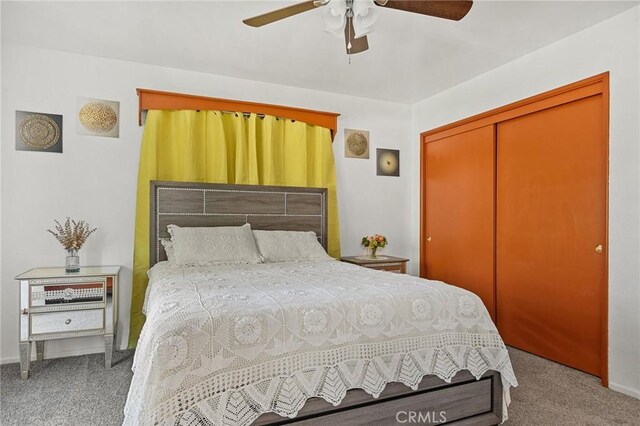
point(55, 304)
point(382, 263)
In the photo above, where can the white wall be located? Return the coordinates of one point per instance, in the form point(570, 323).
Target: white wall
point(95, 178)
point(1, 309)
point(613, 45)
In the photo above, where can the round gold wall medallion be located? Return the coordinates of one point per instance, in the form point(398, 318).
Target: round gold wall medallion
point(357, 143)
point(98, 117)
point(39, 131)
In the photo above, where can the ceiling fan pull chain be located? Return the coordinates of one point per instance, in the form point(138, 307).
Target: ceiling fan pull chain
point(349, 38)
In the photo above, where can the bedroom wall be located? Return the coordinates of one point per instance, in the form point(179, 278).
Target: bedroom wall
point(613, 45)
point(95, 178)
point(0, 176)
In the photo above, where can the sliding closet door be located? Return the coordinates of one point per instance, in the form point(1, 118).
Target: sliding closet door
point(551, 232)
point(458, 211)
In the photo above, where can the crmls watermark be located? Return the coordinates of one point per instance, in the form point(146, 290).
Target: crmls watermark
point(421, 417)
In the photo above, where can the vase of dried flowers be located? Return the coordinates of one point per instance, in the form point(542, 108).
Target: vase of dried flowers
point(72, 235)
point(72, 263)
point(373, 242)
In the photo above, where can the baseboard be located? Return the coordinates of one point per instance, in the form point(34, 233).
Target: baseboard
point(625, 390)
point(60, 354)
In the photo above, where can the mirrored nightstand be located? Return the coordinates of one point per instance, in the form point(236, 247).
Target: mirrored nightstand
point(55, 304)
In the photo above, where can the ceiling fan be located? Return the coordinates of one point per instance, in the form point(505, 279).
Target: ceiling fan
point(355, 18)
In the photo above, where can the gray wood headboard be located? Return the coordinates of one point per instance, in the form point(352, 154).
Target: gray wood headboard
point(285, 208)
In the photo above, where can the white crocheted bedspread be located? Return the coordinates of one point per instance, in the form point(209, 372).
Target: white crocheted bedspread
point(222, 345)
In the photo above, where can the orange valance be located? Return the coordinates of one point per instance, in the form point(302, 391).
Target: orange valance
point(158, 100)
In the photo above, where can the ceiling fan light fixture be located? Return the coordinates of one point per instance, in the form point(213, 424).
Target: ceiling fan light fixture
point(334, 17)
point(365, 15)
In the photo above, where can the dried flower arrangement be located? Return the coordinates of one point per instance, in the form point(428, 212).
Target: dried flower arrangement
point(72, 235)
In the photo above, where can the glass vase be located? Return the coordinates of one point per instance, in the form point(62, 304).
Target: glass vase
point(372, 252)
point(72, 263)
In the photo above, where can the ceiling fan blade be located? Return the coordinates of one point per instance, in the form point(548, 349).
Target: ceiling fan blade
point(285, 12)
point(448, 9)
point(359, 44)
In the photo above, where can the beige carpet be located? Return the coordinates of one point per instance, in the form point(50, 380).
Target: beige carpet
point(78, 391)
point(552, 394)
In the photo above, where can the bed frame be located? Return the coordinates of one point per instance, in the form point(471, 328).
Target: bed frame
point(464, 401)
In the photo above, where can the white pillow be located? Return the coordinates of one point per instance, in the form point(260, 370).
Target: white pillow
point(282, 246)
point(211, 246)
point(168, 248)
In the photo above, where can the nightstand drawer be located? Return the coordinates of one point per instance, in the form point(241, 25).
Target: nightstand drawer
point(61, 322)
point(389, 267)
point(57, 293)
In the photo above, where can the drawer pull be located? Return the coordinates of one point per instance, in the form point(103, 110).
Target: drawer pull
point(68, 321)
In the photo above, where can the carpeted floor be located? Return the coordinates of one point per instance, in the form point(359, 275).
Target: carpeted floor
point(552, 394)
point(78, 391)
point(74, 391)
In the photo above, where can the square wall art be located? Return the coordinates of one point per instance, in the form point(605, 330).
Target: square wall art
point(98, 117)
point(37, 131)
point(388, 163)
point(356, 143)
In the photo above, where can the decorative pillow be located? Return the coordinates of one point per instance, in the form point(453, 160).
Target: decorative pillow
point(168, 249)
point(211, 246)
point(282, 246)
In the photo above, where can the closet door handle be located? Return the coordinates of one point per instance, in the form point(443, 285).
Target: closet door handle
point(428, 239)
point(599, 248)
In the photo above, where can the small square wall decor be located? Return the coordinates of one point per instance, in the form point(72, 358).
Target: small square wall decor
point(37, 131)
point(388, 162)
point(97, 117)
point(356, 143)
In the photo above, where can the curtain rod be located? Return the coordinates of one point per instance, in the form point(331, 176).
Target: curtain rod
point(248, 114)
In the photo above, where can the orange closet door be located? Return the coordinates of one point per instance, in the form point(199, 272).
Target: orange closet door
point(458, 211)
point(551, 232)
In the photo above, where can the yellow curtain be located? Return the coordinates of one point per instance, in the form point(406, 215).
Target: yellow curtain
point(215, 147)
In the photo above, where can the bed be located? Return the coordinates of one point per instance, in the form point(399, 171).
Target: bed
point(311, 342)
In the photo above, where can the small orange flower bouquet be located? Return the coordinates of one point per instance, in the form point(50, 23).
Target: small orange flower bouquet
point(372, 242)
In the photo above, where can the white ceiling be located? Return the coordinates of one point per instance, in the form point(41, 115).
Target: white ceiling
point(411, 56)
